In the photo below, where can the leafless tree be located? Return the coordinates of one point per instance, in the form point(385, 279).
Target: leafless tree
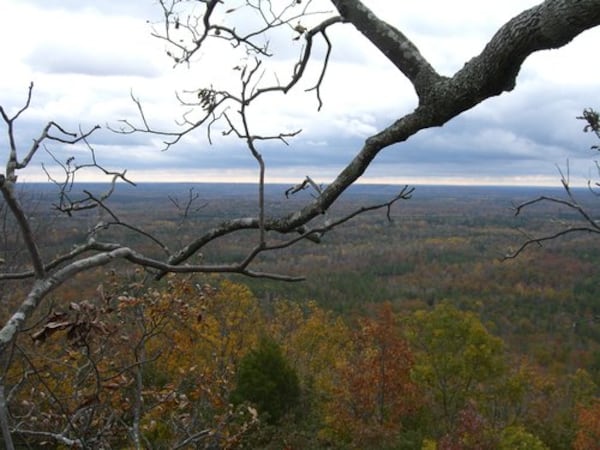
point(585, 221)
point(187, 28)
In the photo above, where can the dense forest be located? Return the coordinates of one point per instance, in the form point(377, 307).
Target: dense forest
point(410, 331)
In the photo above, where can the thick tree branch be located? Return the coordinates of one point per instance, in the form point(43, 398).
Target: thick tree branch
point(315, 234)
point(57, 437)
point(486, 75)
point(549, 25)
point(276, 225)
point(42, 287)
point(391, 42)
point(7, 189)
point(58, 261)
point(552, 24)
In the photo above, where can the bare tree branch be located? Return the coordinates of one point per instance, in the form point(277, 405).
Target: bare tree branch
point(56, 437)
point(549, 25)
point(591, 225)
point(7, 190)
point(551, 237)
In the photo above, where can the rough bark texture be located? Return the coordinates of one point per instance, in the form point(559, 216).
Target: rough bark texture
point(552, 24)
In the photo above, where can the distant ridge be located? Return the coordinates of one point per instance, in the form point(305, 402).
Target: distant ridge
point(231, 188)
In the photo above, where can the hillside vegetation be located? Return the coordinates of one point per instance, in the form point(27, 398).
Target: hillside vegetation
point(410, 333)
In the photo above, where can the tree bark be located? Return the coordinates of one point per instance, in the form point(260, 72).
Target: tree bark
point(551, 24)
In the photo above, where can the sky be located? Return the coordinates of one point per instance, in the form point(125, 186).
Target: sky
point(86, 58)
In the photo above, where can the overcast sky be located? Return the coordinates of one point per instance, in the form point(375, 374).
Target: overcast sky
point(86, 57)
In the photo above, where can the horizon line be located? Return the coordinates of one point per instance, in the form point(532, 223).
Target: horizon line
point(289, 183)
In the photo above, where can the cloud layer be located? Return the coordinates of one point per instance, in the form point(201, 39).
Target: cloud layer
point(87, 57)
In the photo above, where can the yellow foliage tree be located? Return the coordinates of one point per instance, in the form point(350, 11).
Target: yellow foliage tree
point(315, 342)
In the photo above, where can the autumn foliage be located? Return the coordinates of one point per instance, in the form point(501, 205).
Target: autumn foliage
point(588, 427)
point(374, 390)
point(201, 362)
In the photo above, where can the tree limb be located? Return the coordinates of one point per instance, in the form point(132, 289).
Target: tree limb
point(391, 42)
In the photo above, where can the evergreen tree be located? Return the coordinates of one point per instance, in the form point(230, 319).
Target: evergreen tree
point(266, 380)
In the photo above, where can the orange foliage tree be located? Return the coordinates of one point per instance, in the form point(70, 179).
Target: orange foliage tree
point(588, 424)
point(375, 390)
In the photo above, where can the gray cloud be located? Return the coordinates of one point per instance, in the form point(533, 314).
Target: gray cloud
point(50, 58)
point(141, 8)
point(103, 49)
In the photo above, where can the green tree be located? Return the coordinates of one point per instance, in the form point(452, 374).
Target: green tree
point(554, 404)
point(266, 380)
point(517, 438)
point(457, 359)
